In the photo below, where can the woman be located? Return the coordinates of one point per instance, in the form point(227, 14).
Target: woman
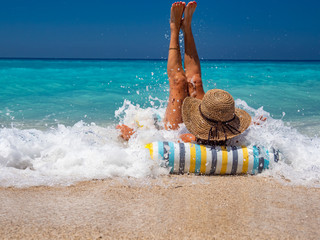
point(211, 117)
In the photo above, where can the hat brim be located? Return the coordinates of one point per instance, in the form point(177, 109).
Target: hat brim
point(199, 127)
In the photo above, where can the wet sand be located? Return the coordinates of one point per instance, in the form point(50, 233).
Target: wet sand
point(171, 207)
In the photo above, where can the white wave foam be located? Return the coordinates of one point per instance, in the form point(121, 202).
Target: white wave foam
point(301, 162)
point(67, 154)
point(64, 155)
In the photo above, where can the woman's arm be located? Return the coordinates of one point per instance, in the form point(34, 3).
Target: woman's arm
point(188, 137)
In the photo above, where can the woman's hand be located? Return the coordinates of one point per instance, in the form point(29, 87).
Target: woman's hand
point(259, 120)
point(188, 137)
point(126, 132)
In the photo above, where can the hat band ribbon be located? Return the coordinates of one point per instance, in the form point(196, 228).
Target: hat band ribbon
point(213, 132)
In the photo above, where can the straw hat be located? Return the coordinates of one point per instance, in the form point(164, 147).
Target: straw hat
point(214, 118)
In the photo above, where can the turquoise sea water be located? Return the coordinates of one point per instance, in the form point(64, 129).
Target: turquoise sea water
point(57, 116)
point(38, 93)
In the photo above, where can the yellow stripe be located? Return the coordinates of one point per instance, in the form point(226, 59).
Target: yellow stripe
point(150, 147)
point(224, 160)
point(203, 159)
point(192, 158)
point(245, 159)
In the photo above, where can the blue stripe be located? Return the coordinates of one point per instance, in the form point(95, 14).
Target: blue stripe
point(198, 158)
point(267, 160)
point(171, 156)
point(160, 150)
point(256, 159)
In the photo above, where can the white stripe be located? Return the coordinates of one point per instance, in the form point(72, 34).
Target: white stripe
point(209, 160)
point(155, 151)
point(187, 157)
point(176, 158)
point(219, 160)
point(280, 156)
point(251, 160)
point(240, 159)
point(230, 160)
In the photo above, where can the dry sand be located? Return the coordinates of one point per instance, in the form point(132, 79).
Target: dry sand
point(171, 207)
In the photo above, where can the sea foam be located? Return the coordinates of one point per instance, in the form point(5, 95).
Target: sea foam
point(63, 155)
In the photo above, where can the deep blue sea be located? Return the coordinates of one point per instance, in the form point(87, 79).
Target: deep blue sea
point(57, 117)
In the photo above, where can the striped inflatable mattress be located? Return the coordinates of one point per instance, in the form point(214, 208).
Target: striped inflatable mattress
point(193, 158)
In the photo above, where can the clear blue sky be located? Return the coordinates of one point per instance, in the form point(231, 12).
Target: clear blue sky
point(224, 29)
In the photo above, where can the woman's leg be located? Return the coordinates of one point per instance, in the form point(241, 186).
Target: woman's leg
point(191, 59)
point(176, 75)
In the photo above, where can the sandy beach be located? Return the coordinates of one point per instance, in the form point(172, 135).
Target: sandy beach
point(170, 207)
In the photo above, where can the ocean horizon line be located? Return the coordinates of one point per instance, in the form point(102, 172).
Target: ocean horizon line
point(157, 59)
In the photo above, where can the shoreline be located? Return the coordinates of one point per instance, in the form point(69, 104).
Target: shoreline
point(169, 207)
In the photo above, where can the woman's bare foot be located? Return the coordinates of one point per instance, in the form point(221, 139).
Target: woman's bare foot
point(126, 132)
point(176, 16)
